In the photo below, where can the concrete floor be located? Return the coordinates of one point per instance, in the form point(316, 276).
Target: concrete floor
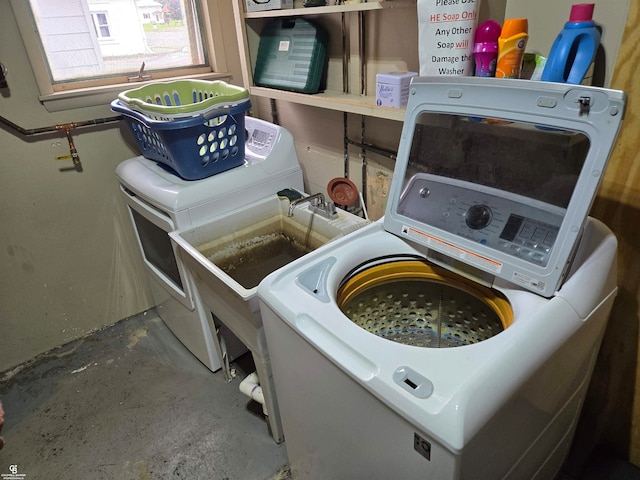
point(130, 402)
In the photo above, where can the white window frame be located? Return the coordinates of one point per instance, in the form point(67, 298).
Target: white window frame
point(56, 98)
point(98, 26)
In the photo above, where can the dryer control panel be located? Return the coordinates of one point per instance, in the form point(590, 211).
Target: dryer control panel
point(260, 138)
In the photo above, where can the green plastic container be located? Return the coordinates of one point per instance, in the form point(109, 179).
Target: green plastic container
point(292, 55)
point(182, 98)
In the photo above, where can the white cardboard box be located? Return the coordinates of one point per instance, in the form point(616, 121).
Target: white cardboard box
point(260, 5)
point(392, 88)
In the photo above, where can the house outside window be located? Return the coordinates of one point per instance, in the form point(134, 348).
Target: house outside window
point(79, 45)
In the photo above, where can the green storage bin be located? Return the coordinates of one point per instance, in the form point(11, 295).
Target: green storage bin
point(292, 55)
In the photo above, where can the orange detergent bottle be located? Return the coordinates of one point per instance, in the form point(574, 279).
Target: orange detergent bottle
point(511, 44)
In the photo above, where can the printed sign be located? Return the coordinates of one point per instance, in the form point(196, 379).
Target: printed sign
point(446, 32)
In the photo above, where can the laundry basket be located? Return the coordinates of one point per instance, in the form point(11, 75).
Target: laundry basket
point(194, 127)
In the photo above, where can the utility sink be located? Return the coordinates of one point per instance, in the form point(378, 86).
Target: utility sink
point(228, 256)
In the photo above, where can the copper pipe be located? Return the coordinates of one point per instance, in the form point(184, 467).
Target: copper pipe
point(55, 128)
point(75, 158)
point(66, 128)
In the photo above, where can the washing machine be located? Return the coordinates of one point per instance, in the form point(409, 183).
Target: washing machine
point(455, 338)
point(159, 202)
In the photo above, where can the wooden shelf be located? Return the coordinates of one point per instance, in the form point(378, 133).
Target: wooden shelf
point(343, 102)
point(353, 7)
point(248, 24)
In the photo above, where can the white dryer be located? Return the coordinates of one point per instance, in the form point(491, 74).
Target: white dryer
point(455, 338)
point(159, 202)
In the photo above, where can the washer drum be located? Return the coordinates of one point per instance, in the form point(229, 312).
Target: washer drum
point(415, 303)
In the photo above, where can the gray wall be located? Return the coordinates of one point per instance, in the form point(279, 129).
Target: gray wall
point(68, 256)
point(66, 251)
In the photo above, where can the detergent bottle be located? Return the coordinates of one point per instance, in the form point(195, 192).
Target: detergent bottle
point(574, 48)
point(485, 49)
point(511, 45)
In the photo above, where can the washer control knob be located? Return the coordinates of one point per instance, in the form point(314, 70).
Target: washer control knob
point(478, 217)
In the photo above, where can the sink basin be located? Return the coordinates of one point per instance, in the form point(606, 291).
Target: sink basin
point(253, 251)
point(237, 250)
point(228, 256)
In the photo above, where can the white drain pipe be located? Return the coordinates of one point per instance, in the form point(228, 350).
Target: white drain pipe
point(250, 386)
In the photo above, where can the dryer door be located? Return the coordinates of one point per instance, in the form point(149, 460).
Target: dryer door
point(152, 227)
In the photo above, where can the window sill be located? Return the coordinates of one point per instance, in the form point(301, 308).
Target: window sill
point(100, 96)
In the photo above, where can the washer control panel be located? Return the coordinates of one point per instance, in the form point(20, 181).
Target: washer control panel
point(495, 183)
point(519, 226)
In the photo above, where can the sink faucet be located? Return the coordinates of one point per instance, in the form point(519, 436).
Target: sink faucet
point(318, 205)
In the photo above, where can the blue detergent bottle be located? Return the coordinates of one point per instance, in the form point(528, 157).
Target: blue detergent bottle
point(574, 48)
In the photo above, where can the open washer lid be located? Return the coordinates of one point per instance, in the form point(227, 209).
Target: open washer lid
point(495, 177)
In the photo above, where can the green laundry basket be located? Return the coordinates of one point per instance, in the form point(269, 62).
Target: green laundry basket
point(182, 98)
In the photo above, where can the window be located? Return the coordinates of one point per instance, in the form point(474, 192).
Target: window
point(80, 46)
point(100, 24)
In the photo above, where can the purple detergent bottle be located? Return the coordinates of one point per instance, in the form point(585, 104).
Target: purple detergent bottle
point(485, 48)
point(574, 48)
